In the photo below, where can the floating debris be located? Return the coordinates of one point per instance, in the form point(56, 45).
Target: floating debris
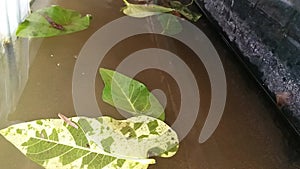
point(67, 120)
point(282, 98)
point(54, 24)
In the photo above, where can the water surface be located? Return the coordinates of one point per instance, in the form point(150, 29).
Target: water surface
point(246, 138)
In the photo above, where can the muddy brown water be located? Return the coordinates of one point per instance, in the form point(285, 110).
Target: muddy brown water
point(246, 138)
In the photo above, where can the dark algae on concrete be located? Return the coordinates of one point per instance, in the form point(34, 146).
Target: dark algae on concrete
point(266, 34)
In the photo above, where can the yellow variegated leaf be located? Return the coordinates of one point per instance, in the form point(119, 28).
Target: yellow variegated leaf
point(101, 143)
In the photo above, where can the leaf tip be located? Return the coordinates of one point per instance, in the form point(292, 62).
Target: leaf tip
point(104, 70)
point(90, 16)
point(2, 132)
point(162, 117)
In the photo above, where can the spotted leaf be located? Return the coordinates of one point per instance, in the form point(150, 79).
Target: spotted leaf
point(96, 142)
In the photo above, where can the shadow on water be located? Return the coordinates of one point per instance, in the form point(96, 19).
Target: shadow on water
point(247, 136)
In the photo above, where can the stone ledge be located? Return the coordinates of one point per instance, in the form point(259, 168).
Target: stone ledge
point(267, 34)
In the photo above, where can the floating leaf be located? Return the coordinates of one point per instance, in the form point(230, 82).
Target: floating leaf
point(97, 143)
point(52, 21)
point(185, 11)
point(170, 24)
point(144, 10)
point(130, 95)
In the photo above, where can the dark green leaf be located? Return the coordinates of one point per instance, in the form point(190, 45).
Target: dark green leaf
point(185, 11)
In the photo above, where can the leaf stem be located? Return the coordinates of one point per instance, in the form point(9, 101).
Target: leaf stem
point(126, 2)
point(189, 4)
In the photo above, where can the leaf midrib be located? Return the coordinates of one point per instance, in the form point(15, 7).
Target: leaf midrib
point(123, 92)
point(91, 150)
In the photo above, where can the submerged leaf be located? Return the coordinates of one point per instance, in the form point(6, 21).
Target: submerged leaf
point(97, 143)
point(130, 95)
point(52, 21)
point(170, 24)
point(185, 11)
point(143, 10)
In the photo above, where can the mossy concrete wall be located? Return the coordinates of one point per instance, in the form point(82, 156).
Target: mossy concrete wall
point(267, 34)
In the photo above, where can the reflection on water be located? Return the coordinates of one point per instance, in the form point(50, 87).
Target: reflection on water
point(14, 67)
point(14, 57)
point(246, 137)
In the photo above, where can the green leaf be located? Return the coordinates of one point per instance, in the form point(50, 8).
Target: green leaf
point(94, 143)
point(140, 11)
point(170, 24)
point(41, 22)
point(185, 11)
point(129, 95)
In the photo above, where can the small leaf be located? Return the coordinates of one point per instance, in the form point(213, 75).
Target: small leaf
point(185, 11)
point(170, 24)
point(97, 143)
point(52, 21)
point(129, 95)
point(143, 10)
